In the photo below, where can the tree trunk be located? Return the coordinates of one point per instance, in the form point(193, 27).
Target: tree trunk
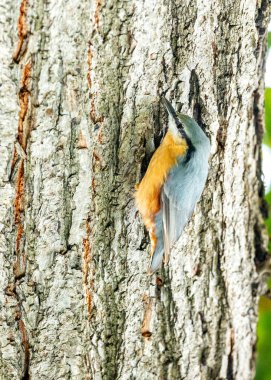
point(80, 118)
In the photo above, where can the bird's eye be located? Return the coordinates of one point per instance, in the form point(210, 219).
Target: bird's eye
point(179, 125)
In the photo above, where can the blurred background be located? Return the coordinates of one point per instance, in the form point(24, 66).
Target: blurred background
point(263, 370)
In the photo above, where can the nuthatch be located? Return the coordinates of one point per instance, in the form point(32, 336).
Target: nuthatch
point(173, 183)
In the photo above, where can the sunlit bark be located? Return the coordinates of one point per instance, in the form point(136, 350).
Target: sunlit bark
point(80, 118)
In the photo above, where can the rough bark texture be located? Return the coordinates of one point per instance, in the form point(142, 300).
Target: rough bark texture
point(80, 117)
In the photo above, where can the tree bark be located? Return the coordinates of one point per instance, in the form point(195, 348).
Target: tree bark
point(80, 118)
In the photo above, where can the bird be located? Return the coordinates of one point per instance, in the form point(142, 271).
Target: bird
point(173, 183)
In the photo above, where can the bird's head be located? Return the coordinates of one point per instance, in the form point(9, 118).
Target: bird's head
point(184, 126)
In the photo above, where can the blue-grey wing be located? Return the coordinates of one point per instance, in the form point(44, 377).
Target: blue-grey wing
point(175, 217)
point(165, 207)
point(179, 196)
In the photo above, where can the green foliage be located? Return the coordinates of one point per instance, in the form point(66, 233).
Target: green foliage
point(263, 371)
point(263, 368)
point(268, 221)
point(269, 39)
point(267, 101)
point(267, 141)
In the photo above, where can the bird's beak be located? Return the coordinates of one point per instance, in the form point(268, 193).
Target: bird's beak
point(175, 124)
point(171, 111)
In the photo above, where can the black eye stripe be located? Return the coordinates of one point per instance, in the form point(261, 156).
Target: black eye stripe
point(191, 149)
point(181, 130)
point(179, 124)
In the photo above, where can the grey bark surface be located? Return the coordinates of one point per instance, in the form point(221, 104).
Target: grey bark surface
point(80, 118)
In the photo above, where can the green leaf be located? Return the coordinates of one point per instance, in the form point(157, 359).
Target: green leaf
point(268, 198)
point(263, 370)
point(267, 102)
point(268, 220)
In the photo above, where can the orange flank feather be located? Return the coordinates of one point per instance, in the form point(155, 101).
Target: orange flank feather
point(147, 194)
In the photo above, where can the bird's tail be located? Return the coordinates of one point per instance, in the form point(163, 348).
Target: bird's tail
point(157, 257)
